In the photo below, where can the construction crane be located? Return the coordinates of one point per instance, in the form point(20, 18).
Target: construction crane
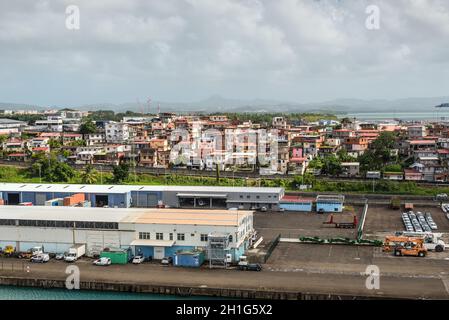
point(405, 246)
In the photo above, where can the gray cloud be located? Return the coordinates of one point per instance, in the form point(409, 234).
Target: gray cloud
point(301, 50)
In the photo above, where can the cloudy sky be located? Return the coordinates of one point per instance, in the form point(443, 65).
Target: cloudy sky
point(188, 50)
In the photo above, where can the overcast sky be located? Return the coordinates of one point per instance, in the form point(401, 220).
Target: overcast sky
point(188, 50)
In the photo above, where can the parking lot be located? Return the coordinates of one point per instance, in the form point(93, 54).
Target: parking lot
point(381, 219)
point(297, 224)
point(314, 258)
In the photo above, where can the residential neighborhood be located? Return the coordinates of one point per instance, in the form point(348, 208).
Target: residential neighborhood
point(343, 148)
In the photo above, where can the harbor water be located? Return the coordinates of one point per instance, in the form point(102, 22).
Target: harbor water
point(30, 293)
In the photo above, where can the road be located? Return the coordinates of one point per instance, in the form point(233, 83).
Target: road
point(312, 280)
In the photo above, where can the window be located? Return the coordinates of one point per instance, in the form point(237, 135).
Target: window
point(241, 196)
point(257, 197)
point(192, 235)
point(159, 236)
point(144, 235)
point(203, 237)
point(248, 196)
point(171, 236)
point(230, 238)
point(181, 237)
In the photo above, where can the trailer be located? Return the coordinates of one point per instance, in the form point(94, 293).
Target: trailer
point(342, 222)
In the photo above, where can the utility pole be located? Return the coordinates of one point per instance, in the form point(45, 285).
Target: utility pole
point(40, 173)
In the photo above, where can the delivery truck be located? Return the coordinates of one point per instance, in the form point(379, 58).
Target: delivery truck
point(75, 252)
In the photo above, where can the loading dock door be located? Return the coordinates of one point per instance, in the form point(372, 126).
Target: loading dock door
point(96, 241)
point(101, 200)
point(152, 200)
point(13, 199)
point(145, 200)
point(159, 253)
point(40, 199)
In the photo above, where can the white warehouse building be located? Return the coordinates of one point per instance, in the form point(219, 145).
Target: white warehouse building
point(150, 232)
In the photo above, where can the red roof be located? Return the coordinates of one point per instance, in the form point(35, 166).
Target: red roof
point(297, 199)
point(17, 155)
point(411, 172)
point(443, 151)
point(298, 159)
point(422, 141)
point(72, 135)
point(40, 149)
point(50, 134)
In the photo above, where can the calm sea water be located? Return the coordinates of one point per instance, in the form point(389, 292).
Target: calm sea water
point(434, 116)
point(29, 293)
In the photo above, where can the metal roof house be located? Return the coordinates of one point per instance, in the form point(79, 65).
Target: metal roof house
point(125, 196)
point(330, 203)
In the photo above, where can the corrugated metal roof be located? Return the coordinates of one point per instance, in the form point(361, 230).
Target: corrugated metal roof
point(92, 188)
point(62, 213)
point(122, 215)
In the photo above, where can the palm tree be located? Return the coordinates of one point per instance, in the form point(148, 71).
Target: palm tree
point(90, 175)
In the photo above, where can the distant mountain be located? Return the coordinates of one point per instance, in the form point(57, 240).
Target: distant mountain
point(18, 106)
point(217, 103)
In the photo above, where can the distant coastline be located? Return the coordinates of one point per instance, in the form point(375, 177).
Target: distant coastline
point(429, 116)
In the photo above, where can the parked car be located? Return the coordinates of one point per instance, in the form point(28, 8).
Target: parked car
point(251, 267)
point(263, 209)
point(138, 259)
point(102, 261)
point(167, 260)
point(40, 258)
point(60, 256)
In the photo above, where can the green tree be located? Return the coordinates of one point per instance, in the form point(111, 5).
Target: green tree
point(379, 152)
point(316, 163)
point(343, 156)
point(54, 143)
point(87, 127)
point(393, 168)
point(78, 143)
point(332, 165)
point(51, 169)
point(89, 175)
point(120, 173)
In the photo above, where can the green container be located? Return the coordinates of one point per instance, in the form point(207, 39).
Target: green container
point(117, 256)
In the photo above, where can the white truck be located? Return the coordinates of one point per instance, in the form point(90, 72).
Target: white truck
point(432, 241)
point(75, 252)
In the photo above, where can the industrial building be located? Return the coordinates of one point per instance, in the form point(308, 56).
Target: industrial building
point(330, 203)
point(293, 203)
point(151, 232)
point(125, 196)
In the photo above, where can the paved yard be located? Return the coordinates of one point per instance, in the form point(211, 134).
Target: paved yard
point(296, 224)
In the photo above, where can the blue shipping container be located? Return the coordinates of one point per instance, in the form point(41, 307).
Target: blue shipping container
point(189, 259)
